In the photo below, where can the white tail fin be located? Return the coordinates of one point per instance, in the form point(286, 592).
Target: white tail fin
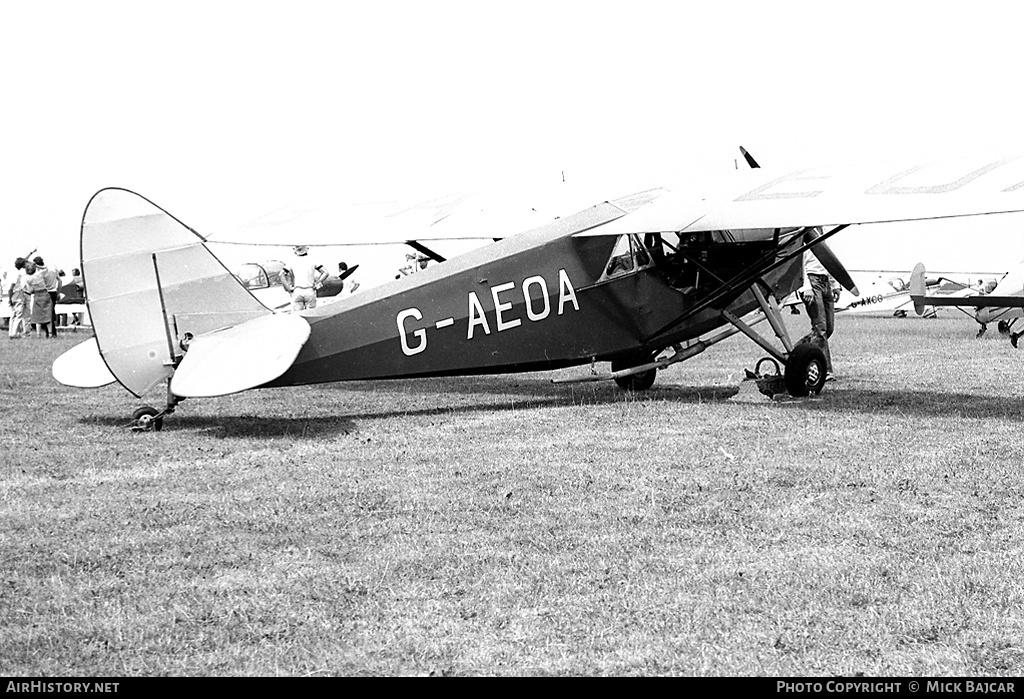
point(918, 288)
point(150, 279)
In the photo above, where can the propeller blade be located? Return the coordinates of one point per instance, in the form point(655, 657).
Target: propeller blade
point(749, 158)
point(344, 275)
point(829, 261)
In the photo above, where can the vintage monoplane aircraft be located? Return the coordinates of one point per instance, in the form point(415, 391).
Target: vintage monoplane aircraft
point(888, 292)
point(1003, 304)
point(642, 281)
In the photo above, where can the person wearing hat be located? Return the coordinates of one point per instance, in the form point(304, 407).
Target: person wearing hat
point(52, 281)
point(40, 307)
point(303, 277)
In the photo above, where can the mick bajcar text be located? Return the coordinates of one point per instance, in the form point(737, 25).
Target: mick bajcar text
point(927, 686)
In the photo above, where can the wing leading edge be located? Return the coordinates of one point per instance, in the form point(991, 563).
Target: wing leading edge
point(755, 199)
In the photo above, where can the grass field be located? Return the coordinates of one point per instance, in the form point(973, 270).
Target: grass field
point(508, 526)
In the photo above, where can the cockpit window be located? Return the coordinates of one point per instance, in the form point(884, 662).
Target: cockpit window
point(898, 284)
point(628, 256)
point(273, 269)
point(253, 276)
point(261, 276)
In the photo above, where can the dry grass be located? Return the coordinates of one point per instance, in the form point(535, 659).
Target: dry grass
point(503, 525)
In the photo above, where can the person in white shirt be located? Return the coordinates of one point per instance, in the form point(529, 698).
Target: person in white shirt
point(304, 277)
point(52, 280)
point(816, 293)
point(40, 307)
point(18, 297)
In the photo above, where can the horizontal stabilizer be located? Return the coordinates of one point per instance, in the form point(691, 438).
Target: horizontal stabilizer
point(240, 357)
point(979, 301)
point(82, 367)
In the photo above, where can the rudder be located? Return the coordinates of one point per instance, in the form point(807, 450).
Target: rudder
point(150, 279)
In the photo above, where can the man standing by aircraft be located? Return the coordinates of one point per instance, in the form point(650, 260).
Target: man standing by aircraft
point(817, 296)
point(53, 289)
point(302, 278)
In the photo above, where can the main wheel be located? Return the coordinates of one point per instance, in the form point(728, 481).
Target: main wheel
point(635, 382)
point(147, 418)
point(805, 370)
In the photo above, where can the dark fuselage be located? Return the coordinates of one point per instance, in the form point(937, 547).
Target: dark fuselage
point(536, 301)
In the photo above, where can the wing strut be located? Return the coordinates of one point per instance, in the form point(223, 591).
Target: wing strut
point(744, 279)
point(680, 354)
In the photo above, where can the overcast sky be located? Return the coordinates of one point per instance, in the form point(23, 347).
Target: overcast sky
point(222, 111)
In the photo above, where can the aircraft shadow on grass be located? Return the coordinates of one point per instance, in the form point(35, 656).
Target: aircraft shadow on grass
point(243, 426)
point(912, 403)
point(526, 394)
point(496, 396)
point(535, 389)
point(845, 398)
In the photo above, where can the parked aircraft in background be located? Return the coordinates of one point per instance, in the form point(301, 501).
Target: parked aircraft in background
point(642, 281)
point(888, 292)
point(1003, 304)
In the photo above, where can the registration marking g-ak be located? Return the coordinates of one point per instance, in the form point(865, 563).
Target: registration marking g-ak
point(503, 297)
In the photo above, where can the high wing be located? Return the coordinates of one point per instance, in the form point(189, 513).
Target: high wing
point(730, 200)
point(486, 214)
point(831, 196)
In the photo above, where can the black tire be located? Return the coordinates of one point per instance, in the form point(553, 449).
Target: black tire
point(805, 370)
point(146, 419)
point(635, 382)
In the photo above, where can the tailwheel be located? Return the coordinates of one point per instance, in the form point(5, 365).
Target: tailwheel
point(147, 419)
point(635, 382)
point(805, 370)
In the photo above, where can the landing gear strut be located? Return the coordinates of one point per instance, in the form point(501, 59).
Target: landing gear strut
point(805, 368)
